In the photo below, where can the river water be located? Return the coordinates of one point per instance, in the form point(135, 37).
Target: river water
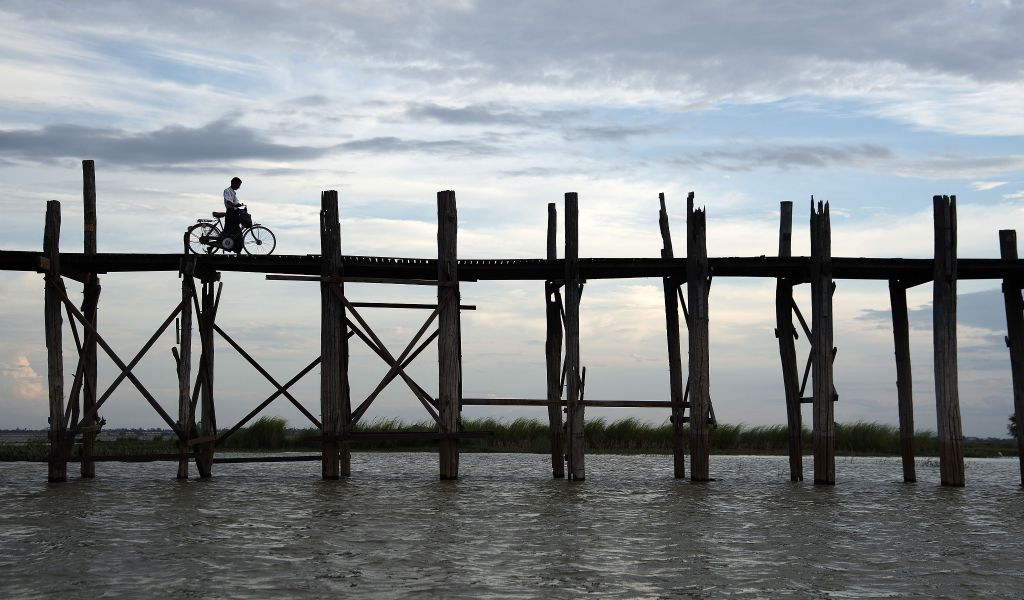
point(507, 530)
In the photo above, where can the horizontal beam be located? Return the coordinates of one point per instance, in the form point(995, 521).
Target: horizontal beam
point(402, 270)
point(595, 403)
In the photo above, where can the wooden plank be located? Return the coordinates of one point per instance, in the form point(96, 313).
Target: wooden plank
point(947, 395)
point(53, 325)
point(553, 352)
point(339, 279)
point(904, 379)
point(786, 335)
point(207, 419)
point(673, 296)
point(449, 358)
point(670, 287)
point(406, 305)
point(697, 284)
point(186, 419)
point(90, 303)
point(1014, 336)
point(574, 408)
point(821, 334)
point(561, 402)
point(333, 343)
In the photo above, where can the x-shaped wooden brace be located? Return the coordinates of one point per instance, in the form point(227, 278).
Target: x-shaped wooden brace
point(397, 366)
point(126, 370)
point(281, 389)
point(810, 352)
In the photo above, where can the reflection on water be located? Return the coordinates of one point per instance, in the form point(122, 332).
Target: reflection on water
point(506, 530)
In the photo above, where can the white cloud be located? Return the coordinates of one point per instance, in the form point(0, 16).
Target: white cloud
point(986, 185)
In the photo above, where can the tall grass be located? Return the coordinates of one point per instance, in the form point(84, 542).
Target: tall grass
point(532, 435)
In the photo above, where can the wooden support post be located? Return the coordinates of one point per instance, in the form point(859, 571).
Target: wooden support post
point(53, 323)
point(822, 350)
point(947, 394)
point(574, 406)
point(675, 364)
point(904, 383)
point(186, 420)
point(1014, 336)
point(335, 408)
point(449, 358)
point(786, 334)
point(553, 352)
point(697, 282)
point(90, 304)
point(208, 419)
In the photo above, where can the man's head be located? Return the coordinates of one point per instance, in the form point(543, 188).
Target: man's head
point(236, 183)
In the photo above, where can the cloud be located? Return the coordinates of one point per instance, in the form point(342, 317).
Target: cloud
point(785, 157)
point(611, 133)
point(983, 310)
point(981, 186)
point(219, 141)
point(23, 383)
point(393, 145)
point(1018, 195)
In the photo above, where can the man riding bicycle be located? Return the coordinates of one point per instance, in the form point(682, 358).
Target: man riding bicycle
point(235, 214)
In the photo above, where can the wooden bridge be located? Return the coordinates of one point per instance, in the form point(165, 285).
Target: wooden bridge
point(74, 414)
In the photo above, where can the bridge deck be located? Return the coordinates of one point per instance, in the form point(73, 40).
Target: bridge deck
point(794, 268)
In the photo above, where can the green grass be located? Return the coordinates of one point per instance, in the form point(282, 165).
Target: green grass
point(269, 434)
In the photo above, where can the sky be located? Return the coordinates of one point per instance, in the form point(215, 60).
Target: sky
point(872, 106)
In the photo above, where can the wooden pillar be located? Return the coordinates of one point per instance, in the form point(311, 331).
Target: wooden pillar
point(697, 285)
point(208, 419)
point(574, 406)
point(670, 286)
point(786, 334)
point(186, 420)
point(904, 389)
point(449, 358)
point(553, 352)
point(53, 323)
point(90, 304)
point(822, 350)
point(1014, 336)
point(947, 394)
point(335, 407)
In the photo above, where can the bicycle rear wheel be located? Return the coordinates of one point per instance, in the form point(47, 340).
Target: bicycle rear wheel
point(198, 233)
point(259, 240)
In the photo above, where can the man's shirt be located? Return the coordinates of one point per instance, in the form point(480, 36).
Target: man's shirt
point(230, 199)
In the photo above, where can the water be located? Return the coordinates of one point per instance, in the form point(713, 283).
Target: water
point(506, 530)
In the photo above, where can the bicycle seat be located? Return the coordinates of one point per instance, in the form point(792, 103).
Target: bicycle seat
point(219, 214)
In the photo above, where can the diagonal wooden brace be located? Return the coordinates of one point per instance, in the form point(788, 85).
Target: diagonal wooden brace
point(113, 356)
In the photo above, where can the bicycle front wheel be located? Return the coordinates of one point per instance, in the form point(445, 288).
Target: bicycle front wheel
point(259, 240)
point(200, 237)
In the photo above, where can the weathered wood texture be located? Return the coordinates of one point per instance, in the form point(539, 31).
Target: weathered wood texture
point(334, 394)
point(53, 324)
point(574, 408)
point(186, 419)
point(786, 334)
point(822, 349)
point(90, 303)
point(449, 356)
point(1014, 336)
point(947, 395)
point(207, 429)
point(698, 283)
point(670, 287)
point(904, 380)
point(553, 351)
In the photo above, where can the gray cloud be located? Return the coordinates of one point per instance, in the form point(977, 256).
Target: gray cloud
point(786, 157)
point(982, 309)
point(219, 141)
point(491, 114)
point(189, 149)
point(611, 133)
point(393, 145)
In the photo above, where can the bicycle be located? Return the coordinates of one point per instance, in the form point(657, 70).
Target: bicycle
point(205, 236)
